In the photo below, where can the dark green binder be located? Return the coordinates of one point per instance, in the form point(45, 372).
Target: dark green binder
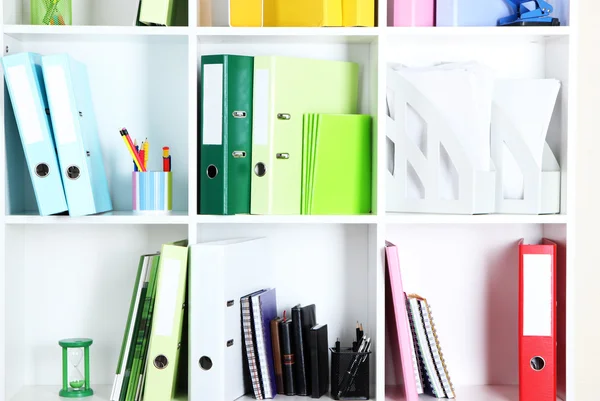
point(225, 125)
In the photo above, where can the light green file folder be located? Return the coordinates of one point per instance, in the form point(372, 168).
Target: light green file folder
point(163, 12)
point(336, 165)
point(285, 88)
point(163, 353)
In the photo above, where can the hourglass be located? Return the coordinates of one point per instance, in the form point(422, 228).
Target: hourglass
point(76, 367)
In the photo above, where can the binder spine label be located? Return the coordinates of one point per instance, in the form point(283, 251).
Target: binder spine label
point(58, 96)
point(212, 106)
point(260, 122)
point(22, 97)
point(537, 295)
point(167, 297)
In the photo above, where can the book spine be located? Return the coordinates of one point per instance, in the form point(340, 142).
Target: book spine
point(276, 345)
point(414, 346)
point(257, 316)
point(250, 353)
point(301, 385)
point(288, 360)
point(314, 360)
point(437, 349)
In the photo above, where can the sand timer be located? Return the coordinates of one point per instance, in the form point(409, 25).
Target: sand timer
point(76, 367)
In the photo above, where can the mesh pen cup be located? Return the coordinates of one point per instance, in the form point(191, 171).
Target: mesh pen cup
point(51, 12)
point(349, 374)
point(152, 191)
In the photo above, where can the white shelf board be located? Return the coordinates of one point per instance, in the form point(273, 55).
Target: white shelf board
point(292, 398)
point(50, 393)
point(286, 35)
point(467, 393)
point(283, 219)
point(125, 217)
point(476, 31)
point(418, 218)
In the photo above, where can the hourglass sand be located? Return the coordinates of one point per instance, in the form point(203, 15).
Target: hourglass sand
point(76, 383)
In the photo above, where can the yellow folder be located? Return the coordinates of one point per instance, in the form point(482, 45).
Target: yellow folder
point(358, 13)
point(245, 13)
point(313, 13)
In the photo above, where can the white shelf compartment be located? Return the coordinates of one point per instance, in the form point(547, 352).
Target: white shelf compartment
point(468, 393)
point(478, 31)
point(470, 277)
point(141, 86)
point(104, 218)
point(426, 218)
point(287, 219)
point(50, 393)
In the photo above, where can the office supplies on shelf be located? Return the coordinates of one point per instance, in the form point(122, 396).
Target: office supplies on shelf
point(25, 84)
point(137, 149)
point(250, 347)
point(245, 13)
point(319, 360)
point(530, 13)
point(470, 12)
point(225, 134)
point(77, 137)
point(152, 191)
point(146, 146)
point(527, 172)
point(166, 159)
point(453, 131)
point(303, 319)
point(264, 309)
point(163, 12)
point(358, 13)
point(310, 13)
point(276, 346)
point(214, 301)
point(133, 149)
point(537, 321)
point(350, 373)
point(76, 367)
point(165, 337)
point(411, 12)
point(51, 12)
point(336, 164)
point(406, 360)
point(285, 88)
point(288, 357)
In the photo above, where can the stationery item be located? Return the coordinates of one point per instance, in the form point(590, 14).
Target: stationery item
point(164, 12)
point(328, 185)
point(143, 156)
point(137, 149)
point(216, 355)
point(284, 89)
point(420, 369)
point(530, 13)
point(350, 373)
point(438, 145)
point(205, 13)
point(51, 12)
point(412, 12)
point(358, 13)
point(276, 346)
point(470, 12)
point(407, 358)
point(527, 172)
point(250, 347)
point(146, 153)
point(225, 134)
point(287, 351)
point(310, 13)
point(303, 319)
point(77, 137)
point(245, 13)
point(264, 309)
point(165, 337)
point(152, 191)
point(319, 359)
point(537, 321)
point(133, 149)
point(25, 84)
point(166, 159)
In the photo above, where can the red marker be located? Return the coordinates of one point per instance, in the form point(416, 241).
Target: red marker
point(166, 159)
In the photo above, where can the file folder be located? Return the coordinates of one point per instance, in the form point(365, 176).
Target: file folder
point(165, 337)
point(537, 321)
point(164, 12)
point(221, 273)
point(225, 134)
point(411, 12)
point(285, 88)
point(245, 13)
point(358, 13)
point(77, 136)
point(25, 83)
point(471, 12)
point(307, 13)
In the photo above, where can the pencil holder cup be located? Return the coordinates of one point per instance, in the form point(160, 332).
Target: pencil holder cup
point(152, 191)
point(51, 12)
point(349, 374)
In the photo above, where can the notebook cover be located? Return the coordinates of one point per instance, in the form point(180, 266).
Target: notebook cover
point(276, 345)
point(309, 320)
point(267, 308)
point(287, 351)
point(250, 347)
point(319, 359)
point(300, 371)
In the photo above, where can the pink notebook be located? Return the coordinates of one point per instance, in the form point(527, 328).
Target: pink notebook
point(404, 337)
point(411, 12)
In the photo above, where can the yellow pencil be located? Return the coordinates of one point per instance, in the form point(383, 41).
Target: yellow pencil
point(132, 152)
point(146, 152)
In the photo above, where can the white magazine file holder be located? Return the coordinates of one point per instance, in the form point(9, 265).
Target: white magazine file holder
point(476, 189)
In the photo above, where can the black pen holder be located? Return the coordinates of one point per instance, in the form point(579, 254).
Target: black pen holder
point(349, 374)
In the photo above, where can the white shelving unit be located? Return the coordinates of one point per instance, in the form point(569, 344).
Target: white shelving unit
point(65, 277)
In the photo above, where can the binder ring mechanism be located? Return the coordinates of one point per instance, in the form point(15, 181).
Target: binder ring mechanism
point(212, 171)
point(73, 172)
point(537, 363)
point(205, 363)
point(260, 169)
point(161, 362)
point(42, 170)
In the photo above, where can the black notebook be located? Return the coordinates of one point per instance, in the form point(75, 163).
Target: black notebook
point(303, 319)
point(319, 360)
point(287, 356)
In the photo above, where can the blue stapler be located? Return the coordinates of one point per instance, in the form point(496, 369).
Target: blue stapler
point(530, 13)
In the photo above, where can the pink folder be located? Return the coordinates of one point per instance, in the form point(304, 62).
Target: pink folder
point(411, 12)
point(404, 336)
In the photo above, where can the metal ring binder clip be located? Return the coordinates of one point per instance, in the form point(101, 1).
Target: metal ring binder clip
point(239, 114)
point(283, 156)
point(238, 154)
point(284, 116)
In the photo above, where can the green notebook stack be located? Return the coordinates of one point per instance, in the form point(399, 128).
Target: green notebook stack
point(336, 164)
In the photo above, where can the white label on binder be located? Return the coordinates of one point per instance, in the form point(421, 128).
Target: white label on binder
point(60, 101)
point(537, 295)
point(167, 295)
point(212, 106)
point(260, 135)
point(24, 105)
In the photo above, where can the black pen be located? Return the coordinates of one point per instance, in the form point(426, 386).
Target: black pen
point(356, 360)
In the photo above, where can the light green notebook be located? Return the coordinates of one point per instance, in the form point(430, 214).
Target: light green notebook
point(336, 164)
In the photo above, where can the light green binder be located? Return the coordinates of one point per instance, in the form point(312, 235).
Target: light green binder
point(285, 88)
point(167, 320)
point(163, 12)
point(336, 164)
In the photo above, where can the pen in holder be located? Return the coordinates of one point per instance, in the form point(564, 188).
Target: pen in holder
point(152, 191)
point(349, 374)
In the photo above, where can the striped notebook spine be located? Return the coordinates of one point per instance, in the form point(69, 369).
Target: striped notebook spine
point(249, 342)
point(413, 349)
point(260, 344)
point(436, 349)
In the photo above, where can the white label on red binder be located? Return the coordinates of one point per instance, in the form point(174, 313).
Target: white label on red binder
point(60, 102)
point(260, 135)
point(537, 295)
point(22, 97)
point(212, 106)
point(166, 297)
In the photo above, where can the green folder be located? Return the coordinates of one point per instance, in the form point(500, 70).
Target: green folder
point(225, 127)
point(336, 164)
point(163, 12)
